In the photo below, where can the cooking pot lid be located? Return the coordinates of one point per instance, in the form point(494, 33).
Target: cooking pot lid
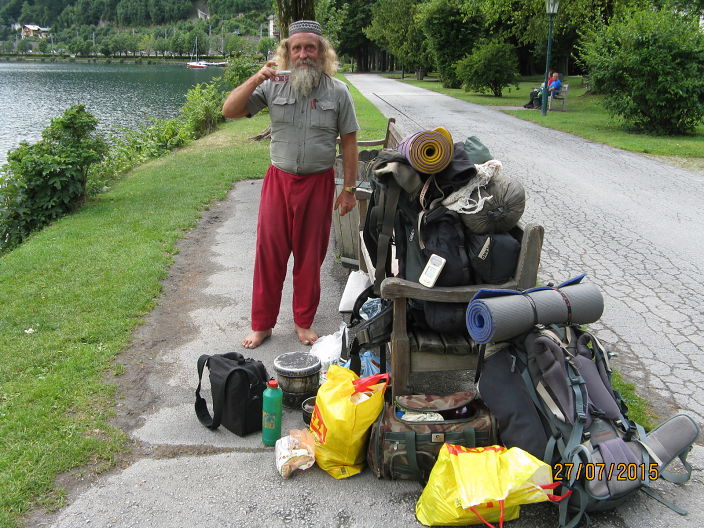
point(296, 364)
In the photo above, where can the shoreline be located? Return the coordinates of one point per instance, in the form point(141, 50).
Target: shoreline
point(102, 60)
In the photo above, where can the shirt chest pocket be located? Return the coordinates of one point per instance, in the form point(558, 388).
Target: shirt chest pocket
point(282, 109)
point(325, 115)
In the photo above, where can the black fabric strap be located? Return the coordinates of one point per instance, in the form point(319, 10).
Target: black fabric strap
point(534, 307)
point(480, 363)
point(201, 405)
point(411, 454)
point(567, 304)
point(393, 191)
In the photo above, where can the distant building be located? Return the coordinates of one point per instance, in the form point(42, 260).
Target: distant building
point(273, 28)
point(203, 14)
point(32, 30)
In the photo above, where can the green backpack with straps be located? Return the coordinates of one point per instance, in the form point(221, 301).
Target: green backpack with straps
point(550, 391)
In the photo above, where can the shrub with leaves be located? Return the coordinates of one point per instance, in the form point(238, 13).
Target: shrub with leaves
point(491, 67)
point(238, 71)
point(46, 180)
point(202, 111)
point(649, 64)
point(134, 147)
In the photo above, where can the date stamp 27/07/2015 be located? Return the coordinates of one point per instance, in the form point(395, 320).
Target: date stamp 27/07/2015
point(601, 471)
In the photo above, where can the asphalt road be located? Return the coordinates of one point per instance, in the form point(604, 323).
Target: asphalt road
point(631, 223)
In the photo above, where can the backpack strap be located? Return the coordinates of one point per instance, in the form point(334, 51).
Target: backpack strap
point(386, 227)
point(201, 405)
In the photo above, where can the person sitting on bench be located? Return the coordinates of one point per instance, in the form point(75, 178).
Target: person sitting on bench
point(554, 87)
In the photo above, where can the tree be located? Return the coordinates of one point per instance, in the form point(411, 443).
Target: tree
point(161, 45)
point(332, 18)
point(353, 41)
point(265, 45)
point(390, 30)
point(288, 11)
point(491, 67)
point(451, 35)
point(23, 46)
point(650, 65)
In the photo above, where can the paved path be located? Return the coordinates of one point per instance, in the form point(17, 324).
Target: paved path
point(183, 475)
point(634, 225)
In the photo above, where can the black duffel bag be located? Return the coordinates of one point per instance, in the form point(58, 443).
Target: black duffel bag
point(237, 385)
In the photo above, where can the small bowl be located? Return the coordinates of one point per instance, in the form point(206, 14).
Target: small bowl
point(307, 407)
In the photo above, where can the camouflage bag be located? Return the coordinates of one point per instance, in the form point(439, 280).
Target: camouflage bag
point(402, 448)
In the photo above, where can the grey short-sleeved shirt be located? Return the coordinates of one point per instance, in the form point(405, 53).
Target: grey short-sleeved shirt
point(304, 130)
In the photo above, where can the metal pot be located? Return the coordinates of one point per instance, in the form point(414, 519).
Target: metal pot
point(298, 373)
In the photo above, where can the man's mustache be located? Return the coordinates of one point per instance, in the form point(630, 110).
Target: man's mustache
point(307, 61)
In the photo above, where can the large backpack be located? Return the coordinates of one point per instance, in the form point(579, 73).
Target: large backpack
point(395, 216)
point(550, 391)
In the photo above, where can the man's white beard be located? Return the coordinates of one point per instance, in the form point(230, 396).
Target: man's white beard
point(304, 79)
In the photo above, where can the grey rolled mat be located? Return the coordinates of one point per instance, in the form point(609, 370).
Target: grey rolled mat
point(498, 315)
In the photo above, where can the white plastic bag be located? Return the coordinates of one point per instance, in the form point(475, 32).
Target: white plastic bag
point(328, 350)
point(295, 451)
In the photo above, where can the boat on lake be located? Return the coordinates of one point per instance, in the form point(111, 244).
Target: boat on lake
point(200, 64)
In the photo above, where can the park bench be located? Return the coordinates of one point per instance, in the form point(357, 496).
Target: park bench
point(561, 98)
point(417, 350)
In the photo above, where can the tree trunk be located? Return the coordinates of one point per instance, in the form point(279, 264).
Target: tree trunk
point(288, 11)
point(263, 135)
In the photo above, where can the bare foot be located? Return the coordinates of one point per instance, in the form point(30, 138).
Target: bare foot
point(256, 338)
point(307, 336)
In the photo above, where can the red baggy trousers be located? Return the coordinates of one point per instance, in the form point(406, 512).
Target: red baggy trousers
point(295, 213)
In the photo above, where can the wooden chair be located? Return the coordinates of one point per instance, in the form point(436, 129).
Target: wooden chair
point(562, 97)
point(413, 350)
point(416, 350)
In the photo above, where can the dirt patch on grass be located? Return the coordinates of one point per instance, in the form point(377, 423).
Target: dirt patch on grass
point(695, 164)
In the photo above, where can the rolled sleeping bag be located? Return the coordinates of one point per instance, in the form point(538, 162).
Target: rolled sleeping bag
point(429, 151)
point(498, 315)
point(502, 211)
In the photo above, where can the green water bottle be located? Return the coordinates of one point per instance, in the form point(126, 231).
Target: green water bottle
point(271, 413)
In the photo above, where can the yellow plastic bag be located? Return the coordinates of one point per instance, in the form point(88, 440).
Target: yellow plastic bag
point(483, 485)
point(345, 409)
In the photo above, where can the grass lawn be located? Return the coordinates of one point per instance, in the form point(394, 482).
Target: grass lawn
point(73, 293)
point(585, 117)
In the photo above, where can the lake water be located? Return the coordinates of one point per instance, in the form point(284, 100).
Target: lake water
point(125, 95)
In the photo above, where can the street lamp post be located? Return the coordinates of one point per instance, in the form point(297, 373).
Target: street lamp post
point(551, 9)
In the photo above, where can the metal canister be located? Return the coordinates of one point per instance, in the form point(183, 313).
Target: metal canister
point(298, 374)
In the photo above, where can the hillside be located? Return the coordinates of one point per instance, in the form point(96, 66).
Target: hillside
point(61, 14)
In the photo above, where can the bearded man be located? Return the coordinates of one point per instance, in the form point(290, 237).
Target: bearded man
point(308, 112)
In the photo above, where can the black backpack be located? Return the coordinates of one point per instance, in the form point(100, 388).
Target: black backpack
point(550, 391)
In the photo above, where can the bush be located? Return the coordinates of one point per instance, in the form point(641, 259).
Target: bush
point(135, 147)
point(239, 70)
point(203, 110)
point(650, 66)
point(491, 67)
point(46, 180)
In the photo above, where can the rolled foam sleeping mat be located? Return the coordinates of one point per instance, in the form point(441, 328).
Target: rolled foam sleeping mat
point(498, 315)
point(429, 151)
